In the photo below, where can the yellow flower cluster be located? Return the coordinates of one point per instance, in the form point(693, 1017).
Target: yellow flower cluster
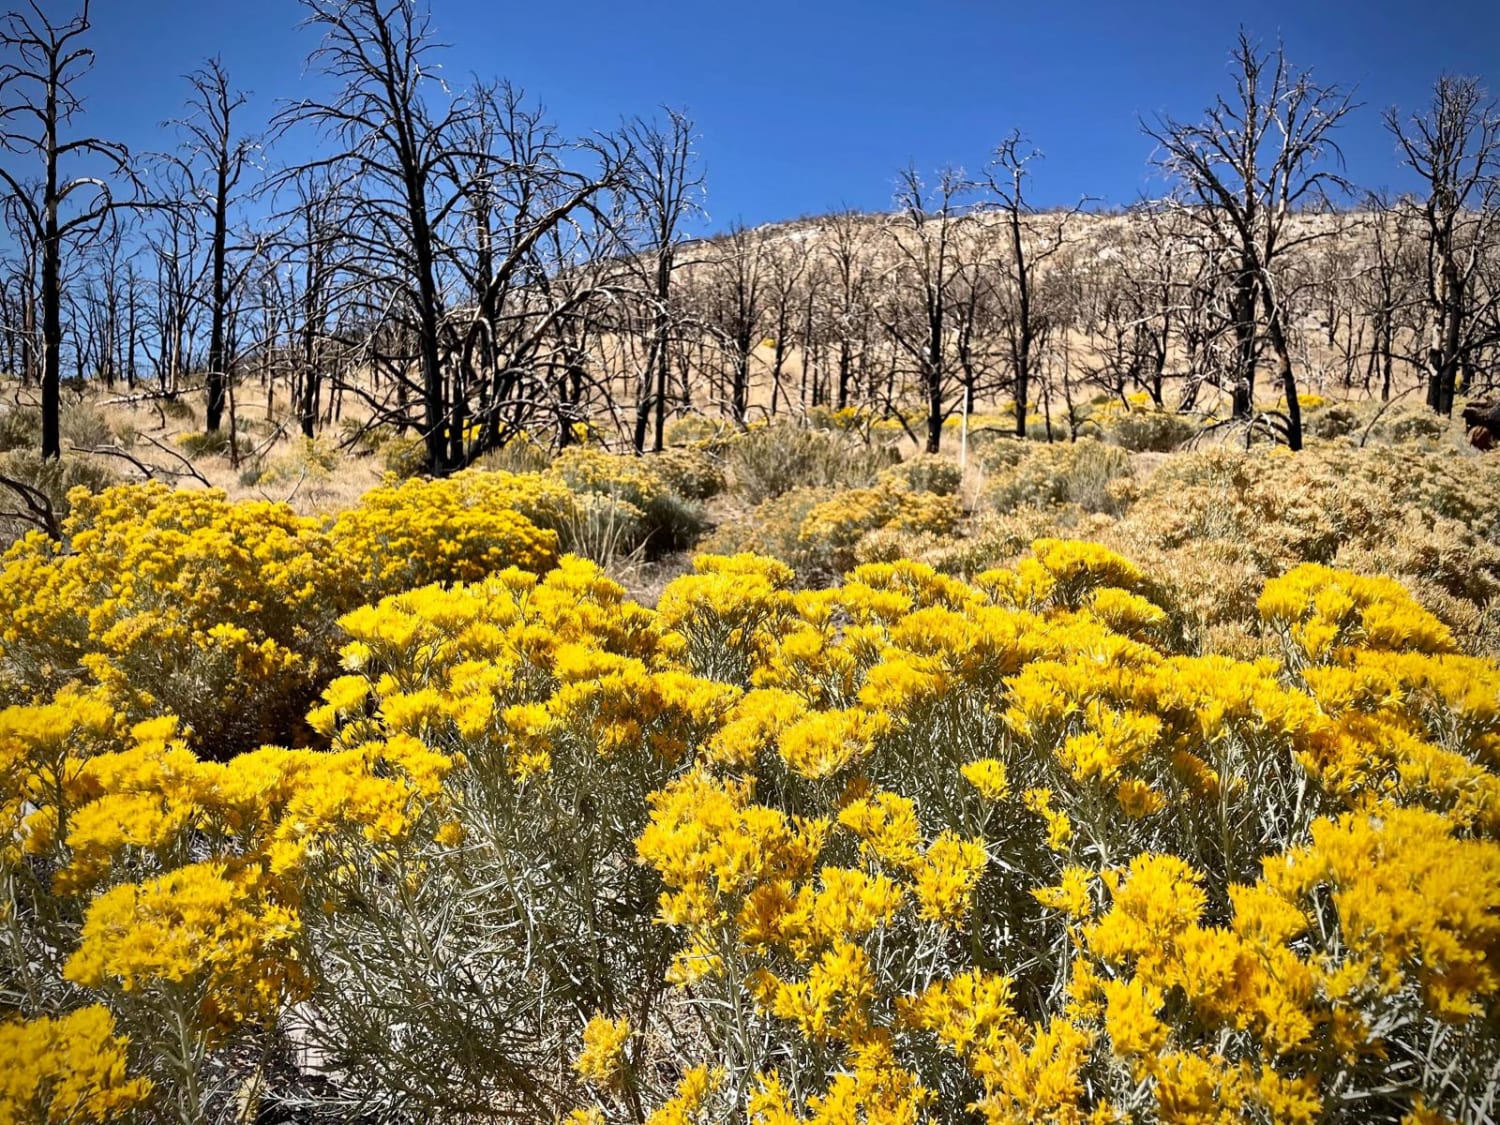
point(831, 531)
point(518, 670)
point(601, 1059)
point(1256, 978)
point(68, 1069)
point(631, 480)
point(222, 614)
point(457, 529)
point(189, 877)
point(175, 603)
point(910, 848)
point(202, 927)
point(1321, 610)
point(1110, 772)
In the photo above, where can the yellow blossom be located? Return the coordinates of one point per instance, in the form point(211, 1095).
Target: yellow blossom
point(601, 1059)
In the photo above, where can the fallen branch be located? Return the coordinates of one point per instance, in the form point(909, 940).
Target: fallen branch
point(1379, 414)
point(38, 507)
point(191, 470)
point(148, 396)
point(148, 471)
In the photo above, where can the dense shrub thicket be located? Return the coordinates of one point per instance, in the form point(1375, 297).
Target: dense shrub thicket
point(409, 813)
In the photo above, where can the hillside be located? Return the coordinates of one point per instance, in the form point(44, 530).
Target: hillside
point(1156, 774)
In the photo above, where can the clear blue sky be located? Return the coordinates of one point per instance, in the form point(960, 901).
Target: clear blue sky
point(806, 105)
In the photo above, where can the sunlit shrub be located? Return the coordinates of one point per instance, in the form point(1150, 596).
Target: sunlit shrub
point(1040, 475)
point(772, 528)
point(82, 426)
point(308, 461)
point(1412, 424)
point(521, 452)
point(924, 473)
point(405, 457)
point(176, 407)
point(1427, 517)
point(20, 428)
point(1149, 431)
point(53, 478)
point(1084, 835)
point(696, 430)
point(178, 603)
point(819, 531)
point(455, 529)
point(690, 473)
point(205, 443)
point(1333, 422)
point(768, 461)
point(667, 520)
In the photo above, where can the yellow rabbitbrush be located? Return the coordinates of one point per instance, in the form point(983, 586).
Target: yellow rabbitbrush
point(908, 849)
point(224, 614)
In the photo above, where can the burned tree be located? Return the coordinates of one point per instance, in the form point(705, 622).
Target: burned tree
point(1454, 147)
point(734, 308)
point(224, 155)
point(526, 229)
point(173, 240)
point(847, 250)
point(665, 183)
point(390, 143)
point(918, 311)
point(60, 213)
point(428, 177)
point(1243, 173)
point(1031, 241)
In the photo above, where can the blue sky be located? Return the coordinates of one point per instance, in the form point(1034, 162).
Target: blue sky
point(806, 105)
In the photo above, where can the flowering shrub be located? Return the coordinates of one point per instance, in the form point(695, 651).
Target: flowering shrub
point(1212, 525)
point(176, 603)
point(68, 1069)
point(638, 494)
point(1155, 813)
point(54, 479)
point(1013, 847)
point(689, 472)
point(171, 889)
point(765, 462)
point(924, 473)
point(1142, 430)
point(820, 531)
point(1045, 473)
point(457, 529)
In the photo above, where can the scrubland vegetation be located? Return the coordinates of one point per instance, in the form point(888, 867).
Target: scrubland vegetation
point(470, 652)
point(1086, 783)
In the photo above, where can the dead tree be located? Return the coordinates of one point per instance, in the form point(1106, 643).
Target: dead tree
point(846, 248)
point(390, 144)
point(225, 154)
point(523, 272)
point(665, 184)
point(1389, 290)
point(917, 314)
point(173, 239)
point(1454, 147)
point(38, 104)
point(1257, 159)
point(309, 257)
point(787, 262)
point(22, 343)
point(1032, 240)
point(733, 307)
